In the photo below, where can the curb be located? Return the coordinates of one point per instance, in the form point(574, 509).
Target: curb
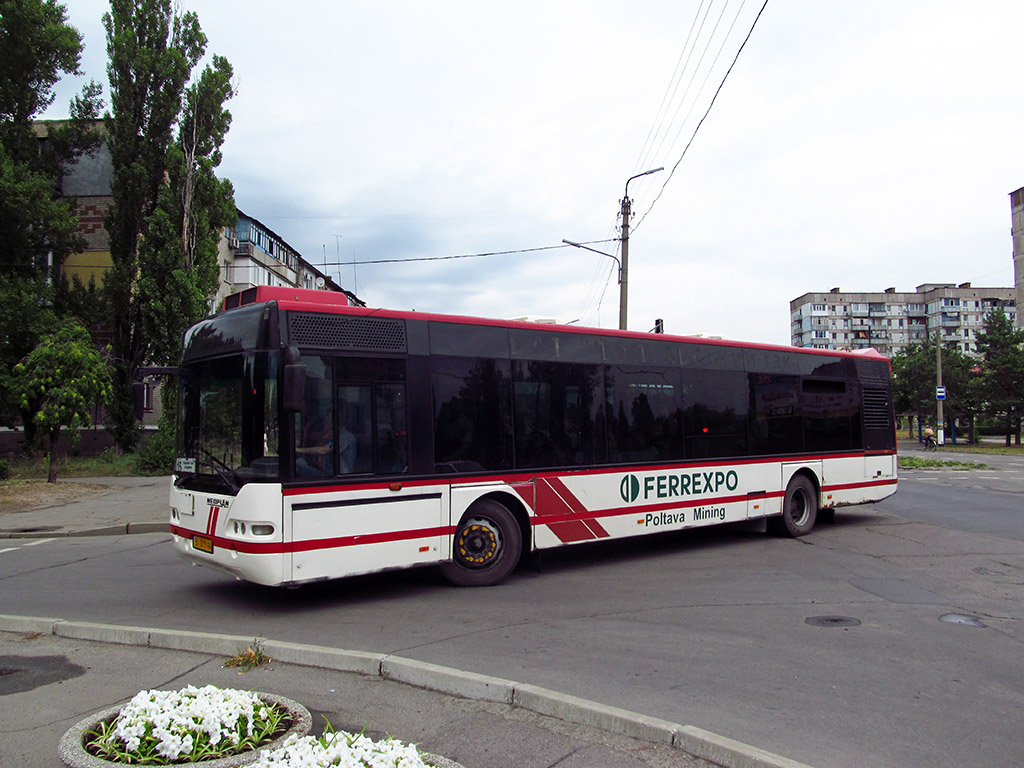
point(109, 530)
point(695, 741)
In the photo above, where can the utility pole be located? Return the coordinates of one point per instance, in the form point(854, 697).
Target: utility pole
point(624, 277)
point(939, 432)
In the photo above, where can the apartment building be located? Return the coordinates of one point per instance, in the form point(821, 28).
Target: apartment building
point(889, 321)
point(1017, 232)
point(251, 254)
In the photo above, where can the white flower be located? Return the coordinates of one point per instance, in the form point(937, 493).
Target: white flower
point(174, 717)
point(341, 750)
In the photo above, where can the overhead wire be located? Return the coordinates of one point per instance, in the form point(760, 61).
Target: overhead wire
point(459, 256)
point(714, 98)
point(673, 87)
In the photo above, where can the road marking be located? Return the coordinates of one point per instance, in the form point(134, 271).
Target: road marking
point(9, 549)
point(35, 543)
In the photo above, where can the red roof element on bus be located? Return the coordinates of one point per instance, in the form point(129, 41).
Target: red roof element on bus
point(262, 293)
point(302, 300)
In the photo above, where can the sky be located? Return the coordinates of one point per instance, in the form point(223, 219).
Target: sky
point(860, 145)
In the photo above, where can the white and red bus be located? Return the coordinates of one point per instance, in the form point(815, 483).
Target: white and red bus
point(319, 440)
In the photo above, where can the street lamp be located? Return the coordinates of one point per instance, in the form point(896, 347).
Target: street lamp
point(624, 269)
point(610, 256)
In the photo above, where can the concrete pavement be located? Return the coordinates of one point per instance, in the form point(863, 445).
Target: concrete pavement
point(55, 672)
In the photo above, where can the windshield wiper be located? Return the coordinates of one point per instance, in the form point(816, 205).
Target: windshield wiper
point(223, 470)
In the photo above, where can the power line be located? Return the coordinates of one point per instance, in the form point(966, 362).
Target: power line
point(704, 117)
point(459, 256)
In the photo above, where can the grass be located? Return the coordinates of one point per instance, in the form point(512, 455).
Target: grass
point(107, 464)
point(250, 658)
point(911, 445)
point(913, 462)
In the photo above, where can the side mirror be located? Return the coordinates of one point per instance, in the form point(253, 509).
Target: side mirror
point(293, 384)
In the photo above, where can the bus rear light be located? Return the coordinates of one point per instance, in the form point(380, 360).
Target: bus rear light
point(395, 487)
point(424, 549)
point(239, 528)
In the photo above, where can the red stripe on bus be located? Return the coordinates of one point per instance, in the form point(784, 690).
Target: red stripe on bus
point(864, 484)
point(570, 531)
point(559, 487)
point(277, 548)
point(597, 528)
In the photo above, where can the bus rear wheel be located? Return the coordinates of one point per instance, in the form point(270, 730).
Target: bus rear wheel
point(486, 547)
point(799, 510)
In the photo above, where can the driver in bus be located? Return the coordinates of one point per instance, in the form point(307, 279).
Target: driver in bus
point(314, 457)
point(346, 444)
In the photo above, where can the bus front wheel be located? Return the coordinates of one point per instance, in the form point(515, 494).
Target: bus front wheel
point(486, 546)
point(799, 510)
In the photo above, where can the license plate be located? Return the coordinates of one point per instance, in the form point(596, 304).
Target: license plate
point(203, 544)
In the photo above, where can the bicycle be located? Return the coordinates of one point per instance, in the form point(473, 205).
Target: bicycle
point(929, 444)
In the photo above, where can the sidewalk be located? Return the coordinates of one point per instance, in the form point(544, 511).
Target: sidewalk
point(125, 505)
point(52, 681)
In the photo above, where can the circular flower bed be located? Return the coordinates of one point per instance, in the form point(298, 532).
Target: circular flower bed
point(219, 728)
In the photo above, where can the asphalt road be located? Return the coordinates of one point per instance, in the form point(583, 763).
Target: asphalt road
point(731, 631)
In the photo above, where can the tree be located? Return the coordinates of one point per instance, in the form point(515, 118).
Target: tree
point(38, 229)
point(168, 205)
point(914, 381)
point(65, 376)
point(179, 271)
point(1002, 347)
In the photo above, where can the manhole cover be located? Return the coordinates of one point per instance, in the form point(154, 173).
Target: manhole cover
point(832, 621)
point(964, 621)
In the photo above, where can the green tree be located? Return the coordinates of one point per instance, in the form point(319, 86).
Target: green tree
point(65, 377)
point(179, 271)
point(1002, 347)
point(168, 205)
point(38, 229)
point(914, 381)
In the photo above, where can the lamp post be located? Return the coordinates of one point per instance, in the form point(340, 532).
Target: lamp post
point(624, 268)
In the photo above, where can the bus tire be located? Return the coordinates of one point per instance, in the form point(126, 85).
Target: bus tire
point(486, 546)
point(799, 509)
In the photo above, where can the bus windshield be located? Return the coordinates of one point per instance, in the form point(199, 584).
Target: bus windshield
point(230, 429)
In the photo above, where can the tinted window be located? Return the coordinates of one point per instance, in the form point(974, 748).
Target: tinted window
point(550, 345)
point(314, 424)
point(232, 331)
point(472, 414)
point(468, 340)
point(644, 414)
point(831, 415)
point(555, 406)
point(775, 424)
point(715, 413)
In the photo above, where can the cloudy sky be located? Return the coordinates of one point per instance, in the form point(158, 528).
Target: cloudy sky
point(860, 144)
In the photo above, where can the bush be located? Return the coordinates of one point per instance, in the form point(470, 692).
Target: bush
point(5, 469)
point(156, 455)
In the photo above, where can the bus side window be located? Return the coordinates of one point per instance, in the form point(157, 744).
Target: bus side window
point(355, 429)
point(314, 426)
point(392, 430)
